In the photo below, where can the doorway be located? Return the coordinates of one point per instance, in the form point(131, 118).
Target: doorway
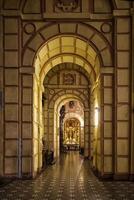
point(72, 126)
point(67, 77)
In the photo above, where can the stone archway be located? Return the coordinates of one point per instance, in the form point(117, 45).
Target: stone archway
point(58, 103)
point(91, 51)
point(88, 54)
point(86, 32)
point(58, 50)
point(58, 90)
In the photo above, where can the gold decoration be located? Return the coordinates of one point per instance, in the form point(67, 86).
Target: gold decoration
point(71, 131)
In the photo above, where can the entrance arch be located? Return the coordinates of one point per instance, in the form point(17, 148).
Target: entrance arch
point(51, 55)
point(86, 32)
point(74, 48)
point(61, 101)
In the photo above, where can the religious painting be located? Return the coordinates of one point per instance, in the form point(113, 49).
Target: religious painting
point(71, 131)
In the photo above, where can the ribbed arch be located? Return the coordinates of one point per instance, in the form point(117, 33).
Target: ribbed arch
point(89, 43)
point(67, 49)
point(64, 95)
point(66, 66)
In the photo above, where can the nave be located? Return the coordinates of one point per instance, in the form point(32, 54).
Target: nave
point(70, 178)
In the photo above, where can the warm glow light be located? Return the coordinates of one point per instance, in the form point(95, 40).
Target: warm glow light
point(96, 116)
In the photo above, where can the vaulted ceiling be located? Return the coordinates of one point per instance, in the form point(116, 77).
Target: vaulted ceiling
point(67, 49)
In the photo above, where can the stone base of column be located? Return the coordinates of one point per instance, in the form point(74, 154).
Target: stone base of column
point(121, 177)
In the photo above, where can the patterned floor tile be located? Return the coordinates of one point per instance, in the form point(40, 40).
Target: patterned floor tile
point(69, 179)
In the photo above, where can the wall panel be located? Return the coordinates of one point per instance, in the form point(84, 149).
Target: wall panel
point(11, 96)
point(26, 124)
point(107, 135)
point(1, 96)
point(122, 137)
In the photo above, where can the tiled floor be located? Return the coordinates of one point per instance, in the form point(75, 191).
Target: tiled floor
point(69, 179)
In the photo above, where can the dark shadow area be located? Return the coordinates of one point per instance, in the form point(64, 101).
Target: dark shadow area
point(5, 181)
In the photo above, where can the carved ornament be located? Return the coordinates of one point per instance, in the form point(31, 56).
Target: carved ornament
point(67, 5)
point(69, 79)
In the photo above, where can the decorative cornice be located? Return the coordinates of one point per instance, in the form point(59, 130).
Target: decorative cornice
point(121, 13)
point(107, 70)
point(67, 16)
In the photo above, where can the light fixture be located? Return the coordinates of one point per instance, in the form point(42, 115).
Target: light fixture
point(96, 117)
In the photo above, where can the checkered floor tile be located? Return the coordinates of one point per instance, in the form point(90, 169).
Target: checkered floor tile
point(69, 179)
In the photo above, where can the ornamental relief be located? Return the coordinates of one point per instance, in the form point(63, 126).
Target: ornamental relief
point(69, 79)
point(67, 5)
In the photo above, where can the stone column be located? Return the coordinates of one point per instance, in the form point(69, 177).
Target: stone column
point(46, 123)
point(107, 127)
point(51, 128)
point(91, 127)
point(1, 97)
point(132, 99)
point(86, 133)
point(11, 96)
point(122, 94)
point(28, 136)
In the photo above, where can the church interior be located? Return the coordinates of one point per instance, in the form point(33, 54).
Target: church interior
point(66, 99)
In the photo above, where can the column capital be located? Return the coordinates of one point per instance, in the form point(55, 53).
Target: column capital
point(118, 13)
point(107, 70)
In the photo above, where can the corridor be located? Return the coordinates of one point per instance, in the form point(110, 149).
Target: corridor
point(69, 179)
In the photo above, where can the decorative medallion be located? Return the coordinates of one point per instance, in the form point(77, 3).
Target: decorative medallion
point(51, 91)
point(29, 28)
point(106, 28)
point(67, 5)
point(69, 79)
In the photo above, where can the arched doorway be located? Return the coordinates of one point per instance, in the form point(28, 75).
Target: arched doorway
point(92, 53)
point(59, 51)
point(59, 94)
point(71, 126)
